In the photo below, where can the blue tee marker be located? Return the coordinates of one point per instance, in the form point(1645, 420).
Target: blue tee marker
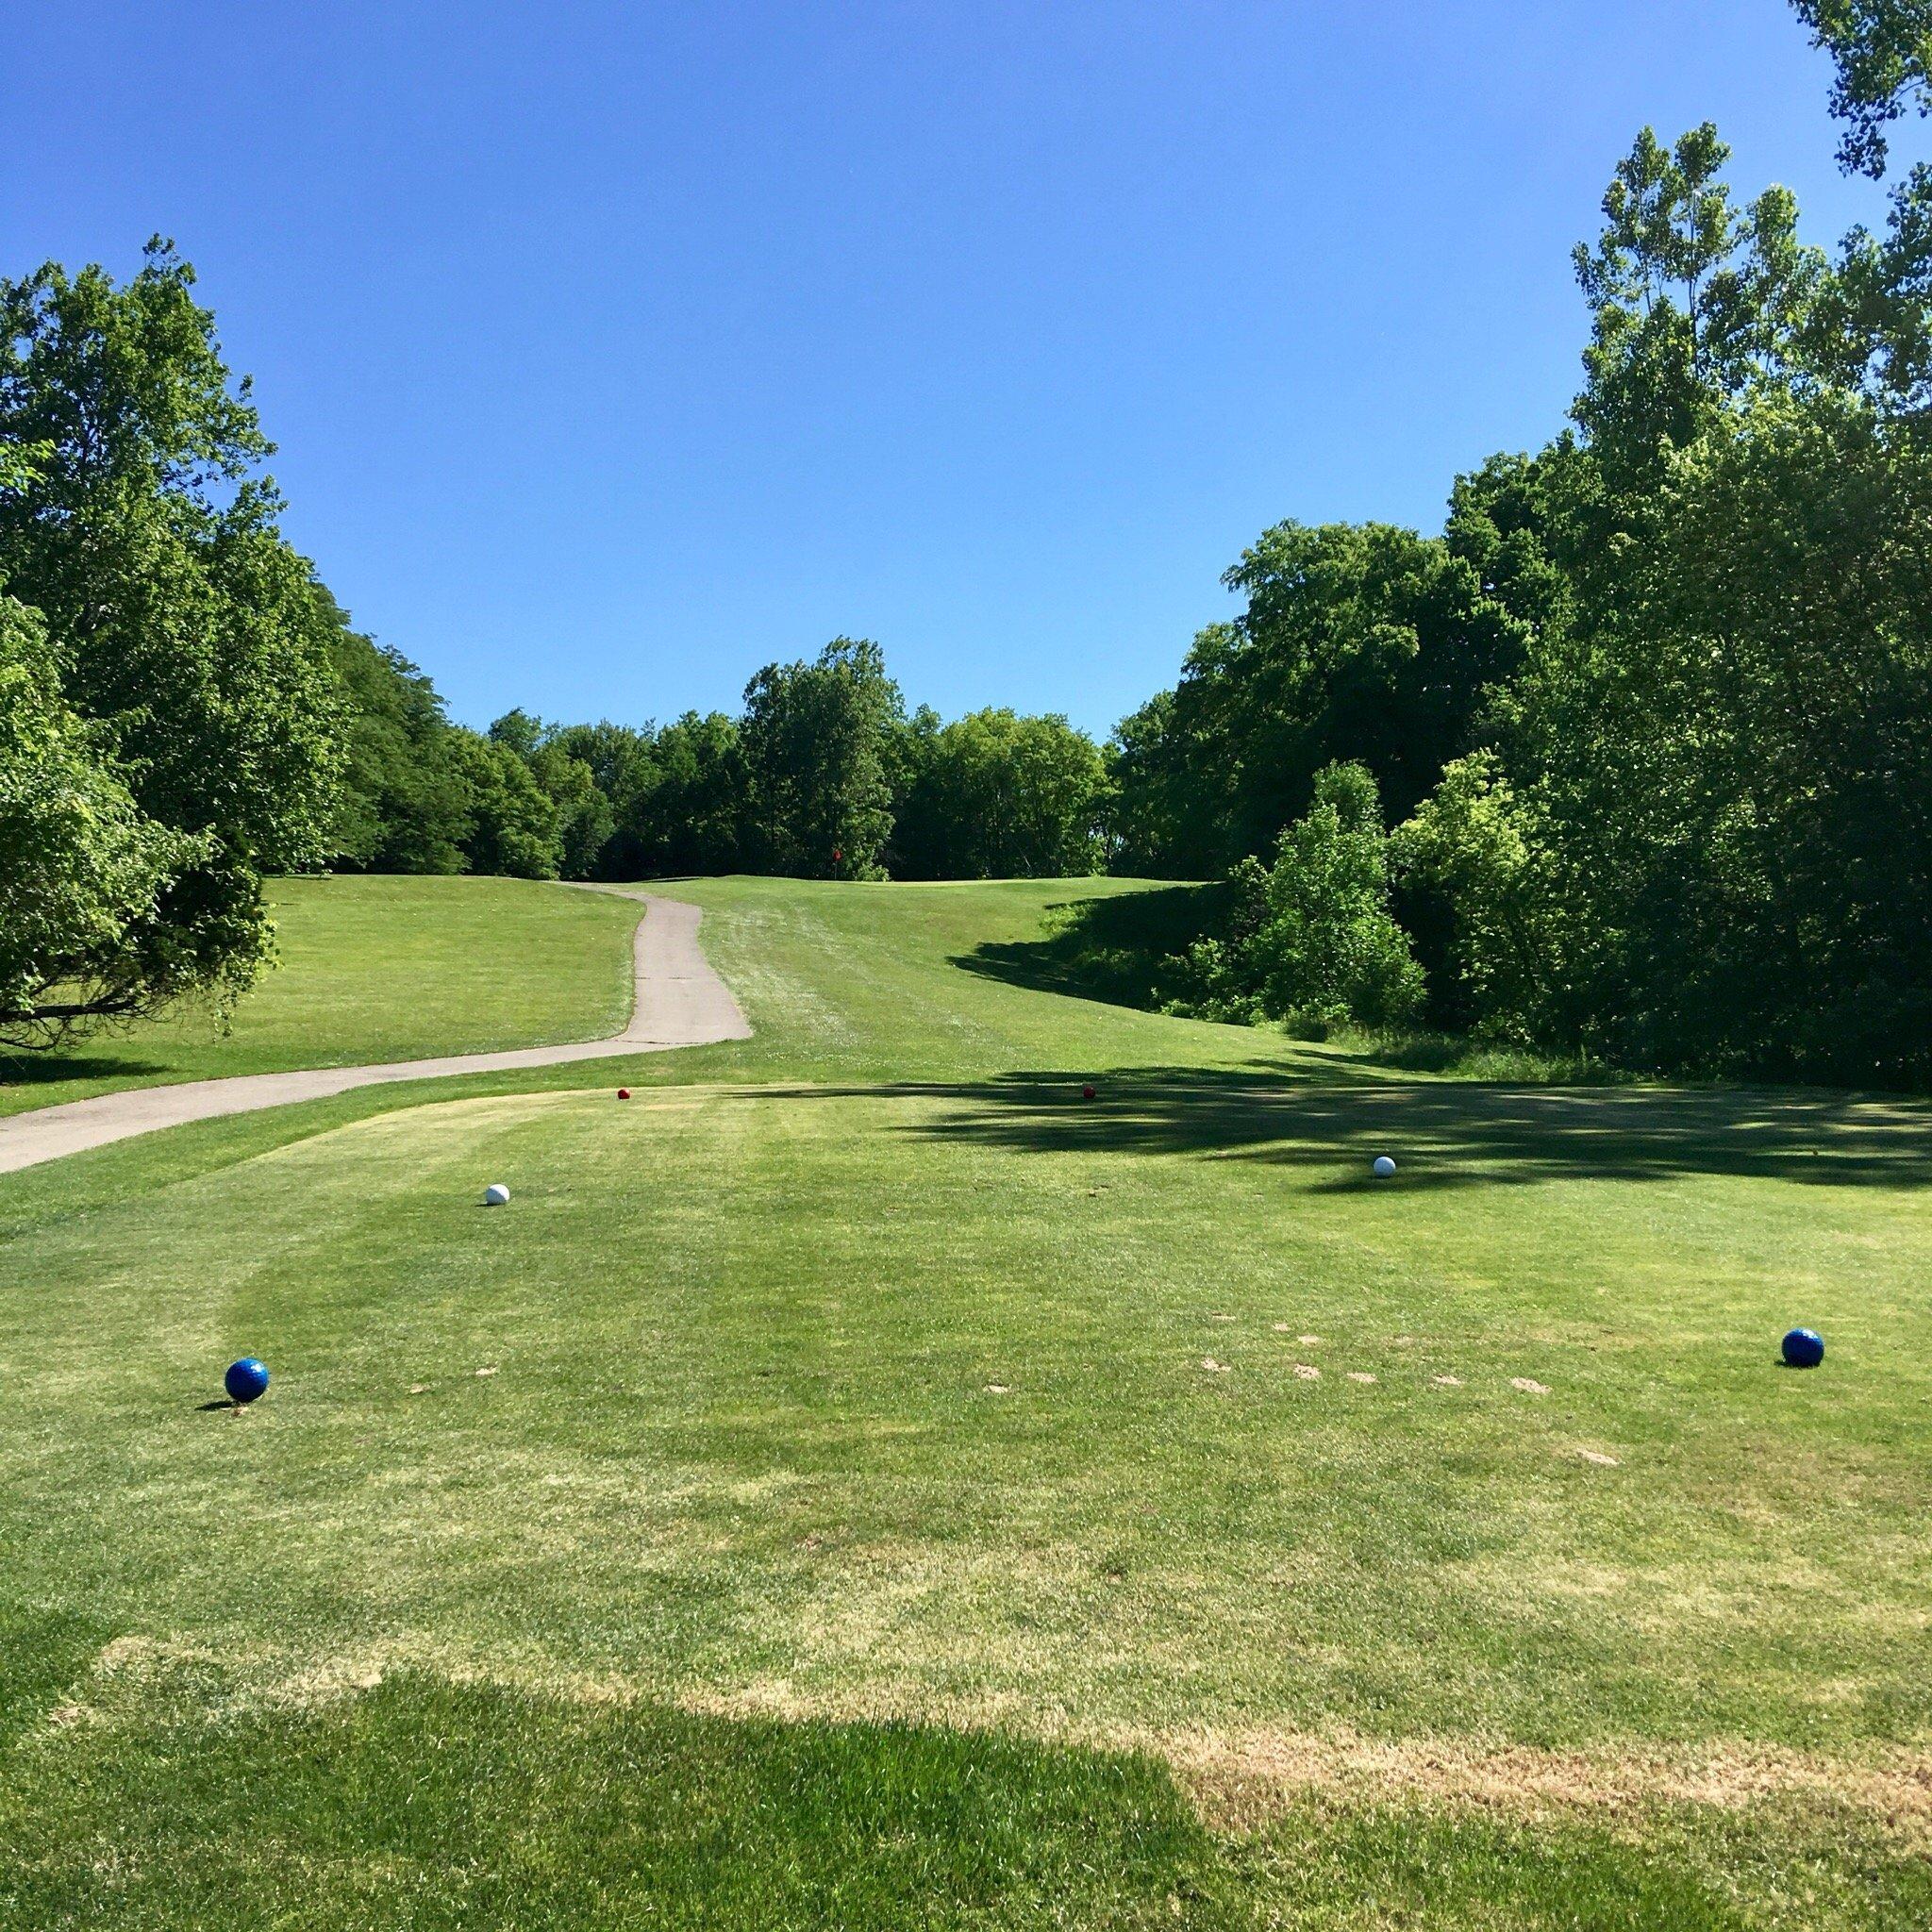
point(245, 1379)
point(1803, 1348)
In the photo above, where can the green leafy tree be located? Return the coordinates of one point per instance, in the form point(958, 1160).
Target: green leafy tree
point(699, 816)
point(911, 748)
point(1157, 764)
point(817, 745)
point(1315, 940)
point(403, 803)
point(1883, 51)
point(624, 765)
point(134, 517)
point(1729, 775)
point(998, 795)
point(83, 871)
point(585, 819)
point(1364, 643)
point(512, 822)
point(1479, 911)
point(1693, 302)
point(1716, 755)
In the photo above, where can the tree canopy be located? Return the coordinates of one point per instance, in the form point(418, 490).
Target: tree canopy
point(815, 741)
point(1883, 51)
point(1669, 800)
point(84, 868)
point(134, 518)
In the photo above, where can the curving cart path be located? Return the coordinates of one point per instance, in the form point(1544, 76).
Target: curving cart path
point(679, 1001)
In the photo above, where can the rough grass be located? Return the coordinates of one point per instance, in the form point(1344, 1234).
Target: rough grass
point(378, 969)
point(851, 1530)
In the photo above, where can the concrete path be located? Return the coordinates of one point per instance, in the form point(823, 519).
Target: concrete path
point(679, 1001)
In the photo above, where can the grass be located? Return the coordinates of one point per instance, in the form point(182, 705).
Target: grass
point(378, 969)
point(894, 1493)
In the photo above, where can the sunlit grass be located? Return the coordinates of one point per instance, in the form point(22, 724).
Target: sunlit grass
point(898, 1478)
point(376, 969)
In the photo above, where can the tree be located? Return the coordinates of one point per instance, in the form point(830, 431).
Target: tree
point(1693, 302)
point(513, 824)
point(584, 817)
point(1366, 644)
point(182, 623)
point(1479, 913)
point(1155, 769)
point(1717, 757)
point(404, 805)
point(84, 870)
point(699, 819)
point(1729, 774)
point(1313, 938)
point(816, 742)
point(1883, 50)
point(997, 795)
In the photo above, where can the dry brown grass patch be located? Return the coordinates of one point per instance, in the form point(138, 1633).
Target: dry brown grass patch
point(1239, 1780)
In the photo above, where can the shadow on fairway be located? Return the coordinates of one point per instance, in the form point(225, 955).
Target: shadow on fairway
point(1113, 949)
point(1447, 1134)
point(441, 1805)
point(472, 1806)
point(23, 1070)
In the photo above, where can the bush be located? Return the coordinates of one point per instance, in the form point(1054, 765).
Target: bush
point(1312, 940)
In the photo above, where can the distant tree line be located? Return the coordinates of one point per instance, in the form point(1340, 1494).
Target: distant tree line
point(1633, 759)
point(822, 774)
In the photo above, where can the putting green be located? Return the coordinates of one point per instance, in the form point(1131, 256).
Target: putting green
point(1441, 1551)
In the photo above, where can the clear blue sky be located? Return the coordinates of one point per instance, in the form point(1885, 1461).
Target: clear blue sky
point(614, 349)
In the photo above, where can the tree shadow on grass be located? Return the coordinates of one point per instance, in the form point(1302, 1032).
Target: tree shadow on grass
point(1112, 949)
point(1446, 1134)
point(32, 1069)
point(476, 1804)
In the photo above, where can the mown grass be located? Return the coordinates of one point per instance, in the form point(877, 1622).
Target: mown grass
point(376, 969)
point(893, 1497)
point(423, 1803)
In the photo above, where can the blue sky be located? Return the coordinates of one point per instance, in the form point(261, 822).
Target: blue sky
point(615, 349)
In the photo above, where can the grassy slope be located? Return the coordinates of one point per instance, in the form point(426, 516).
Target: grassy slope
point(741, 1459)
point(378, 969)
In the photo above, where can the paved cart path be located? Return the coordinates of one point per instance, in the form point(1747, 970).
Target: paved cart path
point(679, 1001)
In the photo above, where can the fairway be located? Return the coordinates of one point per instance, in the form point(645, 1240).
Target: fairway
point(860, 1481)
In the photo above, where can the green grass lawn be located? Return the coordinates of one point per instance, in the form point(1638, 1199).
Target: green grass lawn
point(858, 1482)
point(378, 969)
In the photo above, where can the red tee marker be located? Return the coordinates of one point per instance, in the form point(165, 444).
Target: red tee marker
point(1086, 1093)
point(624, 1094)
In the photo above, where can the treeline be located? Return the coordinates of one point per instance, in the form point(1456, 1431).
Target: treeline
point(824, 775)
point(1652, 718)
